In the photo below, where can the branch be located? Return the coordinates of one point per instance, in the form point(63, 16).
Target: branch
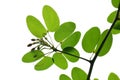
point(103, 42)
point(76, 56)
point(73, 55)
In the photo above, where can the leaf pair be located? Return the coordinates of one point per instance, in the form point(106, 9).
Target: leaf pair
point(65, 35)
point(93, 39)
point(60, 58)
point(114, 15)
point(77, 74)
point(35, 55)
point(50, 18)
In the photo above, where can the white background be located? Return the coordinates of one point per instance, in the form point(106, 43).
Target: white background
point(14, 36)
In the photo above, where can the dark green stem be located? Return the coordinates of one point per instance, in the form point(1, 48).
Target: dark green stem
point(76, 56)
point(102, 44)
point(72, 55)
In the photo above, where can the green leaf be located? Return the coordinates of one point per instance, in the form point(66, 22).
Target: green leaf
point(72, 40)
point(45, 63)
point(115, 31)
point(115, 3)
point(51, 18)
point(64, 31)
point(117, 25)
point(35, 26)
point(111, 17)
point(78, 74)
point(60, 60)
point(107, 45)
point(90, 39)
point(113, 76)
point(64, 77)
point(69, 51)
point(32, 56)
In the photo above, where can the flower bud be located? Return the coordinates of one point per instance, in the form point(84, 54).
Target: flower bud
point(33, 39)
point(29, 45)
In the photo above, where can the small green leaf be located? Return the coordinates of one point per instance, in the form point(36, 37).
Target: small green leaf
point(72, 40)
point(115, 3)
point(107, 45)
point(32, 56)
point(78, 74)
point(35, 27)
point(60, 60)
point(45, 63)
point(51, 18)
point(90, 39)
point(111, 17)
point(117, 25)
point(64, 77)
point(64, 31)
point(115, 31)
point(113, 76)
point(69, 51)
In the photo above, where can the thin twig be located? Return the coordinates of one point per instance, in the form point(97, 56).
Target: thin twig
point(74, 55)
point(51, 39)
point(48, 41)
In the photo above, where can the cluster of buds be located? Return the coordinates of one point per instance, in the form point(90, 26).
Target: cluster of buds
point(42, 44)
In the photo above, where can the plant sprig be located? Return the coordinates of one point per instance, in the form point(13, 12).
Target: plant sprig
point(98, 44)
